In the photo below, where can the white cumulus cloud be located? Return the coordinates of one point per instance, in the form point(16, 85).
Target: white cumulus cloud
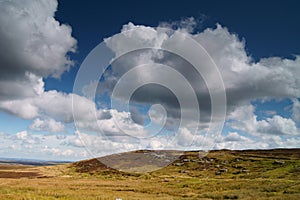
point(49, 125)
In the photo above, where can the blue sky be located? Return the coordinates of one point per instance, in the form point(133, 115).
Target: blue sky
point(255, 45)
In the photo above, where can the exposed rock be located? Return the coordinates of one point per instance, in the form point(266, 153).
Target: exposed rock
point(224, 170)
point(179, 164)
point(245, 170)
point(218, 173)
point(278, 162)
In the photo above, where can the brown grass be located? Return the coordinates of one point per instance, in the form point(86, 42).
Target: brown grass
point(264, 178)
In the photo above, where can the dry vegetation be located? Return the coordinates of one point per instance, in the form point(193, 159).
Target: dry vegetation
point(272, 174)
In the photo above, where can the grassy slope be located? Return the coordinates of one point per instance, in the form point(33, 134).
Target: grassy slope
point(250, 175)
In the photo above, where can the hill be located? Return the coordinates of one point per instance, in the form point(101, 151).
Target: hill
point(222, 174)
point(244, 163)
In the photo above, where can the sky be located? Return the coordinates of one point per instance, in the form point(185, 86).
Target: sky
point(175, 75)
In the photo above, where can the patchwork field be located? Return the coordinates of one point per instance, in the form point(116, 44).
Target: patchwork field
point(224, 174)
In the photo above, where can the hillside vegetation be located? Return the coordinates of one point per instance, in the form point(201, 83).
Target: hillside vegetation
point(224, 174)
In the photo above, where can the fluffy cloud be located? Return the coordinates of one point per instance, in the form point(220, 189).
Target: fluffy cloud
point(75, 142)
point(29, 85)
point(32, 45)
point(23, 139)
point(296, 110)
point(49, 125)
point(53, 104)
point(59, 152)
point(22, 135)
point(278, 125)
point(245, 80)
point(47, 147)
point(117, 127)
point(234, 136)
point(244, 119)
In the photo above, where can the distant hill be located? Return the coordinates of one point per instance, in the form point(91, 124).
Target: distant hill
point(31, 162)
point(230, 163)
